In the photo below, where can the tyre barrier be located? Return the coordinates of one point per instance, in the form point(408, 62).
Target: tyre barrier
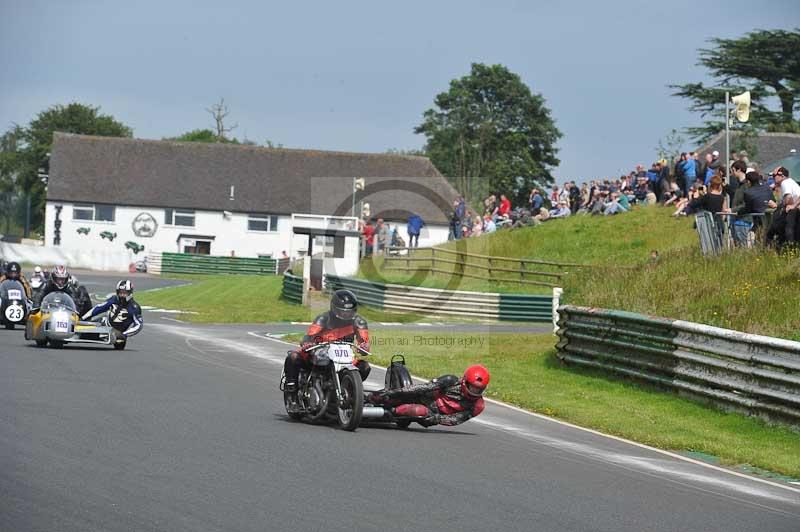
point(754, 374)
point(292, 290)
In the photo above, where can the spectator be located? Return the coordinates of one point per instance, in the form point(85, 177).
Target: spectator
point(561, 210)
point(709, 169)
point(757, 198)
point(574, 197)
point(490, 205)
point(369, 238)
point(680, 174)
point(543, 216)
point(505, 206)
point(414, 227)
point(613, 206)
point(554, 195)
point(714, 200)
point(477, 226)
point(741, 223)
point(789, 197)
point(488, 225)
point(563, 195)
point(690, 170)
point(381, 237)
point(536, 200)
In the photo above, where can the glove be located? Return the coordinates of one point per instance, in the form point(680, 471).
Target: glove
point(378, 397)
point(87, 315)
point(364, 346)
point(305, 346)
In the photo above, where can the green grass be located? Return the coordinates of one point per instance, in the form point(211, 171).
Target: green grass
point(526, 372)
point(244, 299)
point(606, 242)
point(227, 299)
point(755, 291)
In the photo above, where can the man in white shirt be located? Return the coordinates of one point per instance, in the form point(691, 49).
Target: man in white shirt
point(784, 224)
point(788, 185)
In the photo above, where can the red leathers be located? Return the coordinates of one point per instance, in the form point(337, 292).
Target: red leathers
point(446, 400)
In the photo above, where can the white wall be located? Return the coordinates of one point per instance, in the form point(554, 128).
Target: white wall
point(231, 233)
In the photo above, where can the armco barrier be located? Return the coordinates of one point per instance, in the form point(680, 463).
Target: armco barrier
point(208, 264)
point(431, 301)
point(292, 290)
point(747, 372)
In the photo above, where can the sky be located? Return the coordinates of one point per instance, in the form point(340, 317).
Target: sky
point(358, 75)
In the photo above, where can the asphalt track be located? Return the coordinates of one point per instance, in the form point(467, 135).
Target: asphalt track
point(185, 431)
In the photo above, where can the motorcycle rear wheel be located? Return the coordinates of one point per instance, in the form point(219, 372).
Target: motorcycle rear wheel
point(352, 406)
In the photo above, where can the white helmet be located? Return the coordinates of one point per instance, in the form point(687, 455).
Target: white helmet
point(127, 286)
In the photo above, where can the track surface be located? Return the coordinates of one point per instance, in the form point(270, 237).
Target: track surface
point(185, 431)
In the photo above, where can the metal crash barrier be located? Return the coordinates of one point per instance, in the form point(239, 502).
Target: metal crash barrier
point(756, 374)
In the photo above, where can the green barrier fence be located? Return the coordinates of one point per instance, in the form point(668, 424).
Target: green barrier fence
point(208, 264)
point(400, 298)
point(292, 290)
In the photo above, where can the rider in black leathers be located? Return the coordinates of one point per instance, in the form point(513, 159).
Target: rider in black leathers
point(61, 281)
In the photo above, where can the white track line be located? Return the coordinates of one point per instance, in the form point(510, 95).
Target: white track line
point(591, 431)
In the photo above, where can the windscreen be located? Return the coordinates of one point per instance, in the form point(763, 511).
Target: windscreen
point(55, 300)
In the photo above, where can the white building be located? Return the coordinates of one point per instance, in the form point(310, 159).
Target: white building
point(116, 194)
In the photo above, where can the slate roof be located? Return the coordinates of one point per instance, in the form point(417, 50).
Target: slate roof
point(194, 175)
point(769, 146)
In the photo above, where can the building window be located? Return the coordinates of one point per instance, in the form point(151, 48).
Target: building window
point(260, 222)
point(97, 213)
point(179, 217)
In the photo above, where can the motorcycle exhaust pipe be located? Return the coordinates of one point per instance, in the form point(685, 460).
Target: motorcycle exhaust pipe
point(375, 412)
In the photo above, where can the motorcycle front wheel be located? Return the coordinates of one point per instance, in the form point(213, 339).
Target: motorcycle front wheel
point(351, 407)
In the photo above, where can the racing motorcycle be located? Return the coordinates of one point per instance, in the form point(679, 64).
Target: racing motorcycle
point(57, 322)
point(14, 307)
point(331, 389)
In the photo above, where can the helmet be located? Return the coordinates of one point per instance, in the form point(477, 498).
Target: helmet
point(127, 286)
point(344, 304)
point(13, 270)
point(38, 271)
point(60, 276)
point(475, 380)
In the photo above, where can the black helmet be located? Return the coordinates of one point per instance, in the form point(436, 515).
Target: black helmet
point(13, 270)
point(344, 304)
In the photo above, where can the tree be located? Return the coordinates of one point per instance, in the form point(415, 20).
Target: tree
point(765, 62)
point(202, 135)
point(670, 146)
point(34, 142)
point(219, 111)
point(489, 132)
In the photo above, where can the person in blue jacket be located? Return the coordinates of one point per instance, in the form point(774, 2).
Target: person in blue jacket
point(415, 224)
point(124, 314)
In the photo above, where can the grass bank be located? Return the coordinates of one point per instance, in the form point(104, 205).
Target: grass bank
point(525, 372)
point(755, 291)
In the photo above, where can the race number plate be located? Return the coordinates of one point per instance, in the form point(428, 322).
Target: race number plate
point(341, 354)
point(14, 313)
point(62, 326)
point(14, 294)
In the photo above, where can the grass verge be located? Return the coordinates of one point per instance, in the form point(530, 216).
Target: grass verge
point(244, 299)
point(525, 372)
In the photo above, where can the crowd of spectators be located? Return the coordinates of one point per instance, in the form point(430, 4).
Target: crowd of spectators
point(691, 183)
point(747, 203)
